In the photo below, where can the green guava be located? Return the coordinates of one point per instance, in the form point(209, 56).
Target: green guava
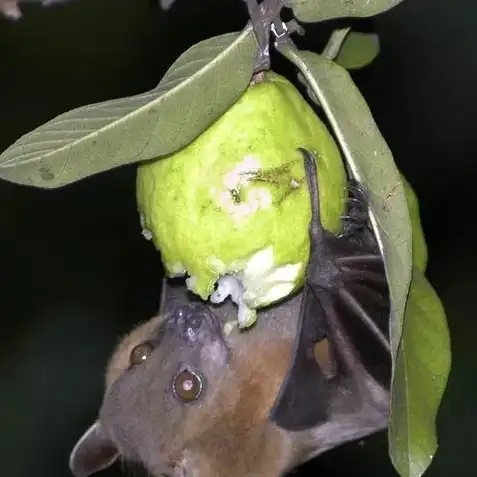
point(231, 210)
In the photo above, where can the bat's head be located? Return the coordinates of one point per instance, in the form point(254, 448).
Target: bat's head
point(182, 398)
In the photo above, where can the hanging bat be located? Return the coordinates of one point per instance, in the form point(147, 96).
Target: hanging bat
point(183, 398)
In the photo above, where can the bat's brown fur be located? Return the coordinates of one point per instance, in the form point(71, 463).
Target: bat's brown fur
point(229, 433)
point(242, 441)
point(233, 436)
point(119, 360)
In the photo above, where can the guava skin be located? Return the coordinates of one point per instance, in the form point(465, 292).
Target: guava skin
point(240, 188)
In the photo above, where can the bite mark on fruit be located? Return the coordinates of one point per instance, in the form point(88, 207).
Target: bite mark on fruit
point(177, 270)
point(146, 233)
point(235, 178)
point(259, 283)
point(238, 200)
point(241, 201)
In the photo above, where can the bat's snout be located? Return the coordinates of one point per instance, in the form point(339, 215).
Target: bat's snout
point(195, 323)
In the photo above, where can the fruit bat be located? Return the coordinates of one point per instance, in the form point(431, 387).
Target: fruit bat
point(184, 398)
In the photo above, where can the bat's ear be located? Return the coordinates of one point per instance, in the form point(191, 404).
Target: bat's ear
point(93, 452)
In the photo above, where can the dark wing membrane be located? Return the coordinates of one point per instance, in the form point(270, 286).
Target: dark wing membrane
point(349, 270)
point(362, 303)
point(304, 397)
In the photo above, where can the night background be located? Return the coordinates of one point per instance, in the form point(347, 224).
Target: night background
point(76, 272)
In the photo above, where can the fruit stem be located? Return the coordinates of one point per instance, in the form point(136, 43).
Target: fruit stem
point(262, 17)
point(257, 78)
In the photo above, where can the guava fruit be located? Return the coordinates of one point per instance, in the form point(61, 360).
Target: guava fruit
point(231, 210)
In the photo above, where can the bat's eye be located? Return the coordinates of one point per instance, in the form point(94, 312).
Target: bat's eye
point(188, 386)
point(140, 353)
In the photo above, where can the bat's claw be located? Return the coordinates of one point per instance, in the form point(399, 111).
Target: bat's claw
point(357, 215)
point(355, 228)
point(262, 17)
point(357, 194)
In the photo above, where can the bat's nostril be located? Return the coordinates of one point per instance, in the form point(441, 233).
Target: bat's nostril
point(189, 322)
point(192, 326)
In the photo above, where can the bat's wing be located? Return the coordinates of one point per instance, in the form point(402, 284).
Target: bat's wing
point(341, 358)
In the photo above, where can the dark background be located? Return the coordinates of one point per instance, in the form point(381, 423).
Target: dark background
point(76, 272)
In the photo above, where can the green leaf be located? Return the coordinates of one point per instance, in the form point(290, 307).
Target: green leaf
point(320, 10)
point(419, 245)
point(196, 90)
point(358, 50)
point(422, 370)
